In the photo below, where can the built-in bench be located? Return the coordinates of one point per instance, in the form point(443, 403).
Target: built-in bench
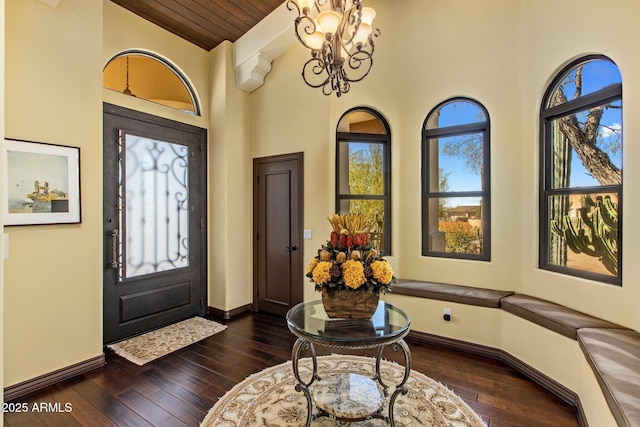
point(454, 293)
point(614, 356)
point(612, 351)
point(558, 318)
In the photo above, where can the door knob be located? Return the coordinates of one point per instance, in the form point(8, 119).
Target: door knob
point(292, 248)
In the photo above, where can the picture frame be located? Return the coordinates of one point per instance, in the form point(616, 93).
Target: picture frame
point(42, 183)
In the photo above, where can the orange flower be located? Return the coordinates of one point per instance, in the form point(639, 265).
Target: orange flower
point(382, 271)
point(353, 274)
point(321, 273)
point(312, 265)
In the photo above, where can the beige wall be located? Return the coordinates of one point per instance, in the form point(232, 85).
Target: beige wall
point(503, 53)
point(53, 282)
point(565, 363)
point(123, 30)
point(230, 265)
point(538, 65)
point(55, 95)
point(288, 118)
point(477, 57)
point(225, 114)
point(1, 196)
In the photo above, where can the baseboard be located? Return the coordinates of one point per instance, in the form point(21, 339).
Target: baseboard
point(533, 374)
point(541, 379)
point(582, 416)
point(26, 387)
point(228, 314)
point(458, 345)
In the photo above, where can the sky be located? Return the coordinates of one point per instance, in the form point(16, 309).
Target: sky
point(596, 75)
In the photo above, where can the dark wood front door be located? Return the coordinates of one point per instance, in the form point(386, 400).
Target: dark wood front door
point(278, 263)
point(154, 195)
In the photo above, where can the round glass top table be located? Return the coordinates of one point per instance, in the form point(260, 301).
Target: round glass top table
point(348, 396)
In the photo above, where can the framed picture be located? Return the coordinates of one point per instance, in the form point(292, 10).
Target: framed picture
point(42, 183)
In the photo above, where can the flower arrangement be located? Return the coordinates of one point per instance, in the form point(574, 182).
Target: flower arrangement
point(348, 261)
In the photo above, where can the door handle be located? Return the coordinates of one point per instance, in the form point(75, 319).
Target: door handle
point(292, 248)
point(114, 250)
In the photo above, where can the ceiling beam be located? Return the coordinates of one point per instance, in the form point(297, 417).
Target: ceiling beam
point(254, 52)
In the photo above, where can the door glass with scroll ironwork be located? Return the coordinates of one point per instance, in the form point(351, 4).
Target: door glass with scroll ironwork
point(154, 223)
point(155, 188)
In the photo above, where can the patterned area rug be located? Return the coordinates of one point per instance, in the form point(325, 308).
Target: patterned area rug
point(268, 398)
point(152, 345)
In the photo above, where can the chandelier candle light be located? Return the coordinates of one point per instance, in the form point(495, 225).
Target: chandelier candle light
point(339, 34)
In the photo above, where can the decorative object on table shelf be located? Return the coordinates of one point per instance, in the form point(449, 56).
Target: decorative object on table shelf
point(348, 272)
point(339, 34)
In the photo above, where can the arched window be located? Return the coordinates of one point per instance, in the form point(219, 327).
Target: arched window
point(148, 76)
point(581, 171)
point(455, 181)
point(363, 171)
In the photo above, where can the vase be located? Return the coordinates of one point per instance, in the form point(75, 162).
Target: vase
point(349, 304)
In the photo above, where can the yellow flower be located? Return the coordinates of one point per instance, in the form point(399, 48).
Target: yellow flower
point(312, 265)
point(321, 272)
point(382, 272)
point(353, 274)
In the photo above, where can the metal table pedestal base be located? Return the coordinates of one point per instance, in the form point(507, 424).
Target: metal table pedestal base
point(302, 346)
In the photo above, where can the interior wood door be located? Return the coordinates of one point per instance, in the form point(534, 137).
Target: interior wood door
point(278, 255)
point(154, 175)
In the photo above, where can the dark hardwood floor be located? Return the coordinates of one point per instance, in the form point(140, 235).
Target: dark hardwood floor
point(179, 389)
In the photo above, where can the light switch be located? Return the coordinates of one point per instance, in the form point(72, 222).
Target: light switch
point(307, 233)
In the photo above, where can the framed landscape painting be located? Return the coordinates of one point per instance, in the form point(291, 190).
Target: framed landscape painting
point(42, 183)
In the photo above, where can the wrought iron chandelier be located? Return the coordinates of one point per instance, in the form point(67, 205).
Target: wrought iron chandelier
point(339, 34)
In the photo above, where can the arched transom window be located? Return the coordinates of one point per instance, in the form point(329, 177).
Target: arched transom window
point(148, 76)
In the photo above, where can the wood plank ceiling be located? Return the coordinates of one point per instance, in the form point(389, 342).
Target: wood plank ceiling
point(205, 23)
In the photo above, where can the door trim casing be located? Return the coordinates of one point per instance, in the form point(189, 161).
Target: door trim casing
point(297, 270)
point(202, 135)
